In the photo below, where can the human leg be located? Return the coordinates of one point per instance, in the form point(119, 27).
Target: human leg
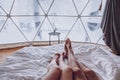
point(78, 73)
point(88, 73)
point(54, 71)
point(67, 73)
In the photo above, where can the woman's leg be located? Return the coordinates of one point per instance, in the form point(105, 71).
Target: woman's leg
point(54, 71)
point(89, 74)
point(67, 73)
point(78, 73)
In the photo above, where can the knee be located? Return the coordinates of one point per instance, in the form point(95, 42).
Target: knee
point(89, 72)
point(68, 69)
point(76, 70)
point(56, 68)
point(78, 74)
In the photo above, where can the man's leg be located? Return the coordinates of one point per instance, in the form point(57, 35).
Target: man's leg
point(54, 71)
point(88, 73)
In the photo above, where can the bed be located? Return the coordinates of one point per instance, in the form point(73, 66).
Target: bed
point(29, 63)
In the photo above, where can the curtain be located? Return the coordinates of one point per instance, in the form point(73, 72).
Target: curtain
point(111, 25)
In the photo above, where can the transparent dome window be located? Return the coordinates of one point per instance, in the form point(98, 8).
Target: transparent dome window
point(33, 20)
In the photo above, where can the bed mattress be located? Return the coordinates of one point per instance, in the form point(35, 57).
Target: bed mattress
point(30, 63)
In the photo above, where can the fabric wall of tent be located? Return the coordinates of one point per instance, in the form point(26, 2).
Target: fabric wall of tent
point(79, 20)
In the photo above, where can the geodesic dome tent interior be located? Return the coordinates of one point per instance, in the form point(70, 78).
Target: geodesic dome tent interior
point(33, 20)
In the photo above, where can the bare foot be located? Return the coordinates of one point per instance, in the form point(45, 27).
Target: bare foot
point(61, 57)
point(55, 57)
point(62, 62)
point(68, 43)
point(67, 47)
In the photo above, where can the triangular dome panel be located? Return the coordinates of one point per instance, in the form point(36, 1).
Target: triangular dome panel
point(21, 7)
point(62, 24)
point(92, 9)
point(92, 26)
point(80, 5)
point(29, 25)
point(78, 33)
point(7, 7)
point(2, 12)
point(43, 32)
point(2, 22)
point(46, 4)
point(60, 7)
point(101, 41)
point(11, 34)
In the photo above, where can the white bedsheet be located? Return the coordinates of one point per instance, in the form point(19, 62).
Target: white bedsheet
point(30, 63)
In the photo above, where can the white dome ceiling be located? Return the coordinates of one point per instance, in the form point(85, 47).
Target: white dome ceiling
point(33, 20)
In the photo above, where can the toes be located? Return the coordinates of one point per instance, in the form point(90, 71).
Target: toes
point(62, 56)
point(57, 55)
point(65, 55)
point(66, 50)
point(50, 59)
point(68, 43)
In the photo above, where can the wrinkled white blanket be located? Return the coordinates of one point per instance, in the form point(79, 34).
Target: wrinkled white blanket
point(30, 63)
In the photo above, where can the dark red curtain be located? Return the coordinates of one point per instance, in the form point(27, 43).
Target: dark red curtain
point(111, 25)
